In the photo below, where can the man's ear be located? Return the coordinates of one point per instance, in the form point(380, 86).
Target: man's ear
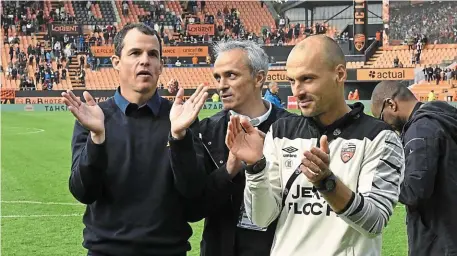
point(393, 105)
point(341, 74)
point(261, 76)
point(115, 61)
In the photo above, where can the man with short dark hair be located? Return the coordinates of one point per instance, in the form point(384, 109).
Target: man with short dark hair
point(331, 175)
point(120, 166)
point(429, 188)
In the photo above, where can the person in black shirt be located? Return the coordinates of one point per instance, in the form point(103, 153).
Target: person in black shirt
point(120, 165)
point(241, 69)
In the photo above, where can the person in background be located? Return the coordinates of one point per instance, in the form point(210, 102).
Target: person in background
point(271, 94)
point(215, 97)
point(429, 134)
point(431, 95)
point(351, 96)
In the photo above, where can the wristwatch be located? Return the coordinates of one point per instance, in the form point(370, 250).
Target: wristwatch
point(327, 185)
point(257, 166)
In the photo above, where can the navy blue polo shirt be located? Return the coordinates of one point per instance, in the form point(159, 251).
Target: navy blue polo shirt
point(134, 199)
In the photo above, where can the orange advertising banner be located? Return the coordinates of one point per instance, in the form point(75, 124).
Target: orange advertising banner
point(103, 51)
point(200, 29)
point(48, 100)
point(185, 51)
point(375, 74)
point(167, 51)
point(277, 76)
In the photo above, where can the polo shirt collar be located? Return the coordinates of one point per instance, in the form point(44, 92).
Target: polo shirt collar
point(153, 103)
point(257, 120)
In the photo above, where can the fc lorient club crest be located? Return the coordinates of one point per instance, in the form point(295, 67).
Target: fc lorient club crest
point(347, 152)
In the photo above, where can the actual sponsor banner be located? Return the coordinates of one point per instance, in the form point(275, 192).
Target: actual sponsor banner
point(200, 29)
point(102, 51)
point(277, 76)
point(367, 74)
point(58, 29)
point(185, 51)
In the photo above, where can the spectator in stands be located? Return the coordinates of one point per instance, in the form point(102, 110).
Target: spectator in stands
point(271, 95)
point(142, 214)
point(449, 76)
point(396, 61)
point(430, 73)
point(351, 95)
point(125, 8)
point(437, 72)
point(240, 68)
point(178, 63)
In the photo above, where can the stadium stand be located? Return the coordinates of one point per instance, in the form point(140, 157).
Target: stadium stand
point(437, 20)
point(232, 19)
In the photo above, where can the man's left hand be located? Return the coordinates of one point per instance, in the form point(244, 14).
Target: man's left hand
point(315, 163)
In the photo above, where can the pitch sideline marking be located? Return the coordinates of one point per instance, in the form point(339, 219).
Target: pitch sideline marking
point(36, 202)
point(43, 215)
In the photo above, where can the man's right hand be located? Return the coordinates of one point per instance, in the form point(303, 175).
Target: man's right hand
point(243, 140)
point(89, 114)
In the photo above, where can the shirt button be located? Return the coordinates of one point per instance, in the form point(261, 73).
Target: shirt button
point(337, 132)
point(221, 162)
point(209, 143)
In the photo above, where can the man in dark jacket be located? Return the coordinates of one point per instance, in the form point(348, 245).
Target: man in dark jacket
point(429, 189)
point(240, 68)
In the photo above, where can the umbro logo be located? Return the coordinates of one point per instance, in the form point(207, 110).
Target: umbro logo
point(290, 149)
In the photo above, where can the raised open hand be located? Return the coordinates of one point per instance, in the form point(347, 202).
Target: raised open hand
point(243, 140)
point(88, 113)
point(183, 114)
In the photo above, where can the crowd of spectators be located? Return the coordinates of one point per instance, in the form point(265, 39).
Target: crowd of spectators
point(435, 19)
point(438, 74)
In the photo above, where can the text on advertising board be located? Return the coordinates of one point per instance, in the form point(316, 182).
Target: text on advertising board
point(102, 51)
point(385, 74)
point(185, 51)
point(167, 51)
point(200, 29)
point(61, 29)
point(277, 76)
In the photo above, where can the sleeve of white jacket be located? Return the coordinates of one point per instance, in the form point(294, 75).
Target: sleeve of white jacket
point(262, 194)
point(379, 185)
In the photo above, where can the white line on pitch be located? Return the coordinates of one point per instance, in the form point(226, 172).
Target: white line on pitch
point(43, 215)
point(35, 202)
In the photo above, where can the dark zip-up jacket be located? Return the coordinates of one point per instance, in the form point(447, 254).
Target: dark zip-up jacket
point(222, 198)
point(429, 190)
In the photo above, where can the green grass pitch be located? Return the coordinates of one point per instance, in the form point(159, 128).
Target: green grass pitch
point(38, 214)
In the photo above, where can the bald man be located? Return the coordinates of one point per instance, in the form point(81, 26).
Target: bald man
point(429, 135)
point(331, 175)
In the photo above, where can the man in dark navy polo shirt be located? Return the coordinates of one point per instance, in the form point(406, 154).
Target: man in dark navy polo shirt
point(120, 162)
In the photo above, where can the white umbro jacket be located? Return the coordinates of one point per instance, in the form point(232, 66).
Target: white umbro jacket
point(365, 155)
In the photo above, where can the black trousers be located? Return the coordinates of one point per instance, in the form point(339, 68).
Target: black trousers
point(91, 253)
